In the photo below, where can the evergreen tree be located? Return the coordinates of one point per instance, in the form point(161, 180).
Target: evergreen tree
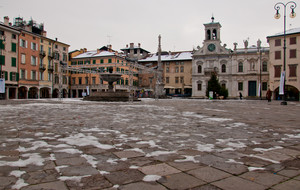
point(213, 85)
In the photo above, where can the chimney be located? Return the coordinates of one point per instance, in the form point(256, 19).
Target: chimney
point(131, 45)
point(84, 50)
point(6, 20)
point(109, 46)
point(126, 45)
point(44, 33)
point(139, 44)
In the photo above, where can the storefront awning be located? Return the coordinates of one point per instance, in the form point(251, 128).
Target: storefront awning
point(171, 87)
point(187, 86)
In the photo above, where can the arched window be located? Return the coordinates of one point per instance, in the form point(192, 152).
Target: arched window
point(208, 35)
point(265, 66)
point(199, 85)
point(199, 69)
point(214, 34)
point(241, 67)
point(223, 68)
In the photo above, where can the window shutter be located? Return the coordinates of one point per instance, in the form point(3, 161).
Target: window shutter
point(13, 47)
point(10, 76)
point(2, 59)
point(6, 75)
point(13, 62)
point(17, 76)
point(25, 74)
point(25, 43)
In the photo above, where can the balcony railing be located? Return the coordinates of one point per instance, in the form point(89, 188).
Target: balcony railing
point(209, 71)
point(50, 55)
point(50, 68)
point(42, 67)
point(42, 54)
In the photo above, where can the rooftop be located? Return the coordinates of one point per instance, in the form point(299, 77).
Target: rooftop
point(175, 56)
point(288, 32)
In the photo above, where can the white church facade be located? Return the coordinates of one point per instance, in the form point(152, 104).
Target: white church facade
point(241, 70)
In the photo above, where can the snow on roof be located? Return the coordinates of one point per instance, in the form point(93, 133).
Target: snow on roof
point(90, 54)
point(290, 31)
point(252, 49)
point(173, 57)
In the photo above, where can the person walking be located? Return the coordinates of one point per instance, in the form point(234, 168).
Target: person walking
point(241, 96)
point(269, 95)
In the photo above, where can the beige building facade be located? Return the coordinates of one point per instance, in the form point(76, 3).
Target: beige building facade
point(276, 43)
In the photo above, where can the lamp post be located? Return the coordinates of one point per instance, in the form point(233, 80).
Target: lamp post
point(293, 5)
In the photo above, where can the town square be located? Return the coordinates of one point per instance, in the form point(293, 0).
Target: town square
point(149, 95)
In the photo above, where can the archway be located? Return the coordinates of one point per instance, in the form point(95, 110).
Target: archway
point(55, 93)
point(292, 93)
point(45, 92)
point(22, 92)
point(65, 93)
point(33, 93)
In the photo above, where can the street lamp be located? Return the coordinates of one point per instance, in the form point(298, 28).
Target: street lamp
point(293, 5)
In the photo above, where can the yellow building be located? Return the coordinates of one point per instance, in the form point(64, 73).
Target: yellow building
point(86, 66)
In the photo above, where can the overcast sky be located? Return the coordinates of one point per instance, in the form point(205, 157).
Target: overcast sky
point(92, 24)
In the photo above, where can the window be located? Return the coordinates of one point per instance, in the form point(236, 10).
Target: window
point(49, 76)
point(199, 86)
point(240, 86)
point(181, 80)
point(23, 58)
point(86, 80)
point(167, 80)
point(13, 62)
point(265, 67)
point(182, 69)
point(199, 69)
point(278, 42)
point(277, 54)
point(13, 76)
point(293, 70)
point(13, 36)
point(241, 67)
point(293, 40)
point(94, 80)
point(167, 69)
point(33, 46)
point(13, 47)
point(65, 80)
point(176, 80)
point(33, 75)
point(94, 61)
point(264, 86)
point(56, 79)
point(176, 69)
point(79, 80)
point(109, 60)
point(64, 57)
point(223, 85)
point(293, 53)
point(23, 72)
point(277, 72)
point(23, 43)
point(101, 61)
point(223, 68)
point(64, 48)
point(73, 80)
point(87, 62)
point(33, 60)
point(2, 46)
point(41, 76)
point(56, 46)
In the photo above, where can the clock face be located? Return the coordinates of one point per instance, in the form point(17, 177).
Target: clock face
point(211, 47)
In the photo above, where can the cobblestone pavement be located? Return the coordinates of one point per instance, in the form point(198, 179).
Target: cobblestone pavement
point(163, 144)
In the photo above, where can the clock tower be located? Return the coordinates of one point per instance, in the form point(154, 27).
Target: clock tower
point(212, 36)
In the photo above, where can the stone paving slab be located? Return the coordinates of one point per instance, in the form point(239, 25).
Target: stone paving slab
point(128, 154)
point(288, 185)
point(264, 178)
point(143, 186)
point(238, 183)
point(159, 169)
point(209, 174)
point(49, 186)
point(124, 177)
point(180, 181)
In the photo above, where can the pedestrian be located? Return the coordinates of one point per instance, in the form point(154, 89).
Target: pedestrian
point(269, 95)
point(241, 96)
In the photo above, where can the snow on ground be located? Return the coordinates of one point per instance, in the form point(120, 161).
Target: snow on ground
point(153, 128)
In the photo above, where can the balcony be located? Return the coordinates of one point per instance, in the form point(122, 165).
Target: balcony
point(42, 67)
point(50, 55)
point(42, 54)
point(209, 71)
point(50, 68)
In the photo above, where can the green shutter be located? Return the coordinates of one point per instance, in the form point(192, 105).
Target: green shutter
point(10, 76)
point(94, 61)
point(109, 60)
point(13, 47)
point(2, 59)
point(101, 61)
point(1, 44)
point(13, 62)
point(6, 75)
point(17, 76)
